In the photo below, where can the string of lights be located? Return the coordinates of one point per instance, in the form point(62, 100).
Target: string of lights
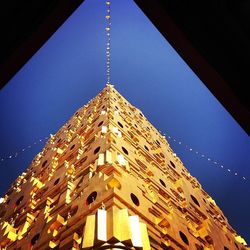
point(186, 147)
point(205, 157)
point(108, 44)
point(14, 155)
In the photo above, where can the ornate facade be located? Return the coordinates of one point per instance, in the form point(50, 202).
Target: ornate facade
point(109, 180)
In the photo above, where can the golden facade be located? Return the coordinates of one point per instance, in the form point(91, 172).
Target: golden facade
point(109, 180)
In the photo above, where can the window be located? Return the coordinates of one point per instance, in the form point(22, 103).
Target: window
point(162, 183)
point(18, 202)
point(44, 163)
point(56, 181)
point(100, 124)
point(120, 124)
point(172, 164)
point(34, 239)
point(195, 200)
point(96, 150)
point(91, 198)
point(125, 150)
point(134, 199)
point(184, 237)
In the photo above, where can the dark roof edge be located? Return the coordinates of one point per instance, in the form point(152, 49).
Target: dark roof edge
point(207, 74)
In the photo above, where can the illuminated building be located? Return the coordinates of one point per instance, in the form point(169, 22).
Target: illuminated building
point(109, 180)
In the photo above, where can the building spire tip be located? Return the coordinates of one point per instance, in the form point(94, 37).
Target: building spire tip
point(109, 85)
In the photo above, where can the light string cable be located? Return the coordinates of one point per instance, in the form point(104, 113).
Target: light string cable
point(14, 155)
point(168, 137)
point(108, 42)
point(205, 157)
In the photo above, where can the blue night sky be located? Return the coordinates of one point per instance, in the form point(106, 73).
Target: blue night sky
point(69, 70)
